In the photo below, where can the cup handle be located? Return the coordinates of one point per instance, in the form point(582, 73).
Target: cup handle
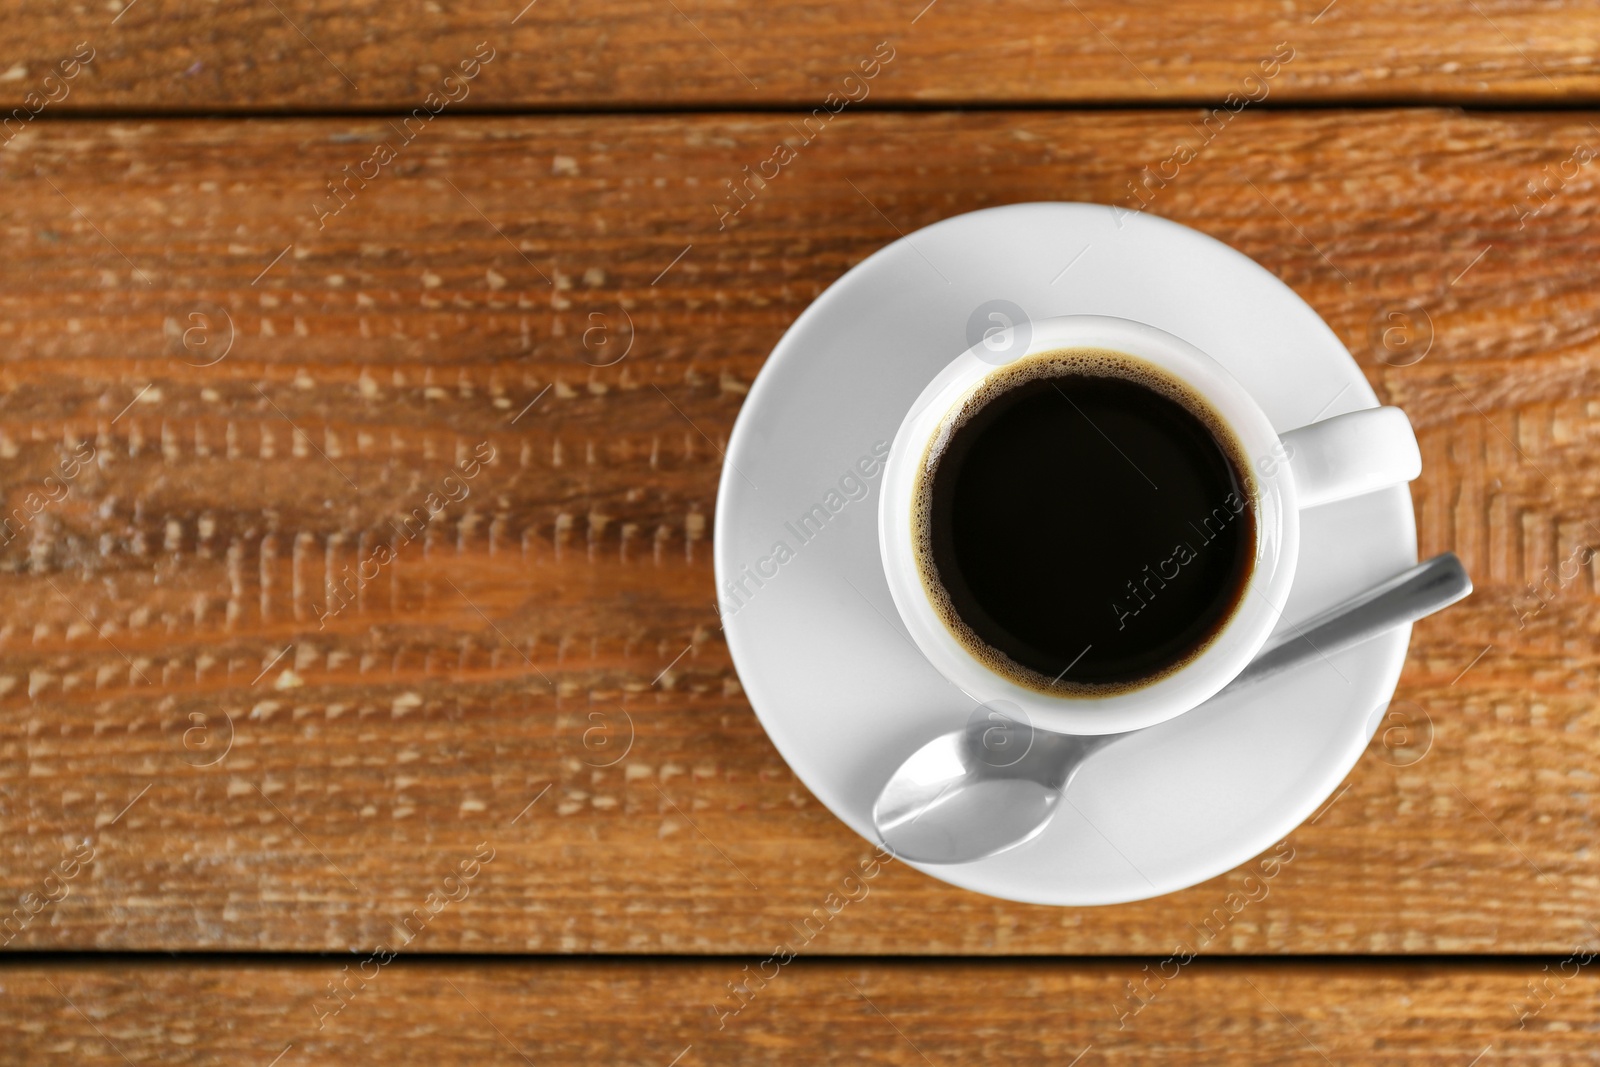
point(1352, 454)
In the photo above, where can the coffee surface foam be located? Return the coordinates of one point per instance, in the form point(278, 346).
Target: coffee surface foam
point(1055, 363)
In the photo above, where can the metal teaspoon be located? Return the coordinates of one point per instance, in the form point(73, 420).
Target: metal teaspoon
point(953, 802)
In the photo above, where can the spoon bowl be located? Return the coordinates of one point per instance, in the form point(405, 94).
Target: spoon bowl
point(935, 806)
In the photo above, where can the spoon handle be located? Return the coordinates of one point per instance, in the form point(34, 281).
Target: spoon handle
point(1424, 589)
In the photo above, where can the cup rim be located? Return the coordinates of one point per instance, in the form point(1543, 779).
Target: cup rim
point(1236, 642)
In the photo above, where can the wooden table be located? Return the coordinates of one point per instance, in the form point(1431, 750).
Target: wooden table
point(254, 811)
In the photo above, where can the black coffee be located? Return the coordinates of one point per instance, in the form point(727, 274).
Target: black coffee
point(1086, 525)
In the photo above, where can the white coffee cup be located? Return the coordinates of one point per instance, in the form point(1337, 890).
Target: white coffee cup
point(1331, 460)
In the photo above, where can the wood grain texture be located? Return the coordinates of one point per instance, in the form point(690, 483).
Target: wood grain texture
point(489, 664)
point(317, 54)
point(813, 1012)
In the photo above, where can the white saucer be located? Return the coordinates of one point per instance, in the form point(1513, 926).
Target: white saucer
point(823, 656)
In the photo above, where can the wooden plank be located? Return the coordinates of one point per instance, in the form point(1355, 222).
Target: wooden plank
point(322, 55)
point(572, 581)
point(660, 1012)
